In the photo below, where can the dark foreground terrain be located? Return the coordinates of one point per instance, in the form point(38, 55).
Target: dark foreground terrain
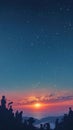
point(14, 121)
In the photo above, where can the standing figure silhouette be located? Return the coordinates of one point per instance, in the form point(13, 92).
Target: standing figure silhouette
point(3, 102)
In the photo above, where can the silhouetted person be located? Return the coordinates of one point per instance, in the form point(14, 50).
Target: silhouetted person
point(20, 116)
point(31, 121)
point(57, 123)
point(10, 109)
point(3, 102)
point(41, 127)
point(70, 112)
point(47, 126)
point(44, 126)
point(16, 114)
point(11, 112)
point(25, 124)
point(65, 117)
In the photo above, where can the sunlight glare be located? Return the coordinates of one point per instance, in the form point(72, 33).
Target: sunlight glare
point(37, 105)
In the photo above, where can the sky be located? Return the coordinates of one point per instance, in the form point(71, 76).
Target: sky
point(36, 54)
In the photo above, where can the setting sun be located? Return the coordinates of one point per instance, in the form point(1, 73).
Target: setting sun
point(37, 105)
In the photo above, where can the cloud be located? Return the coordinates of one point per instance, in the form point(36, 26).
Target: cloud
point(47, 99)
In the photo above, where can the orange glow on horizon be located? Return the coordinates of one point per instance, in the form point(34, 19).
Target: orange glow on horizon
point(31, 103)
point(37, 105)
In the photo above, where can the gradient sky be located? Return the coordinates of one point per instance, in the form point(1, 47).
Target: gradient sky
point(36, 51)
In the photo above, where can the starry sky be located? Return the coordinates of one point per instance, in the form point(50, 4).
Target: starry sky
point(36, 50)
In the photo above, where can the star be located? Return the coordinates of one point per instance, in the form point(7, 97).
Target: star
point(57, 33)
point(32, 44)
point(68, 9)
point(37, 37)
point(61, 8)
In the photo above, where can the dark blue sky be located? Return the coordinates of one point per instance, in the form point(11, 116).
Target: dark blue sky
point(36, 44)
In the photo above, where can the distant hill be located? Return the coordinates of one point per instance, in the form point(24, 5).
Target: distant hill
point(50, 119)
